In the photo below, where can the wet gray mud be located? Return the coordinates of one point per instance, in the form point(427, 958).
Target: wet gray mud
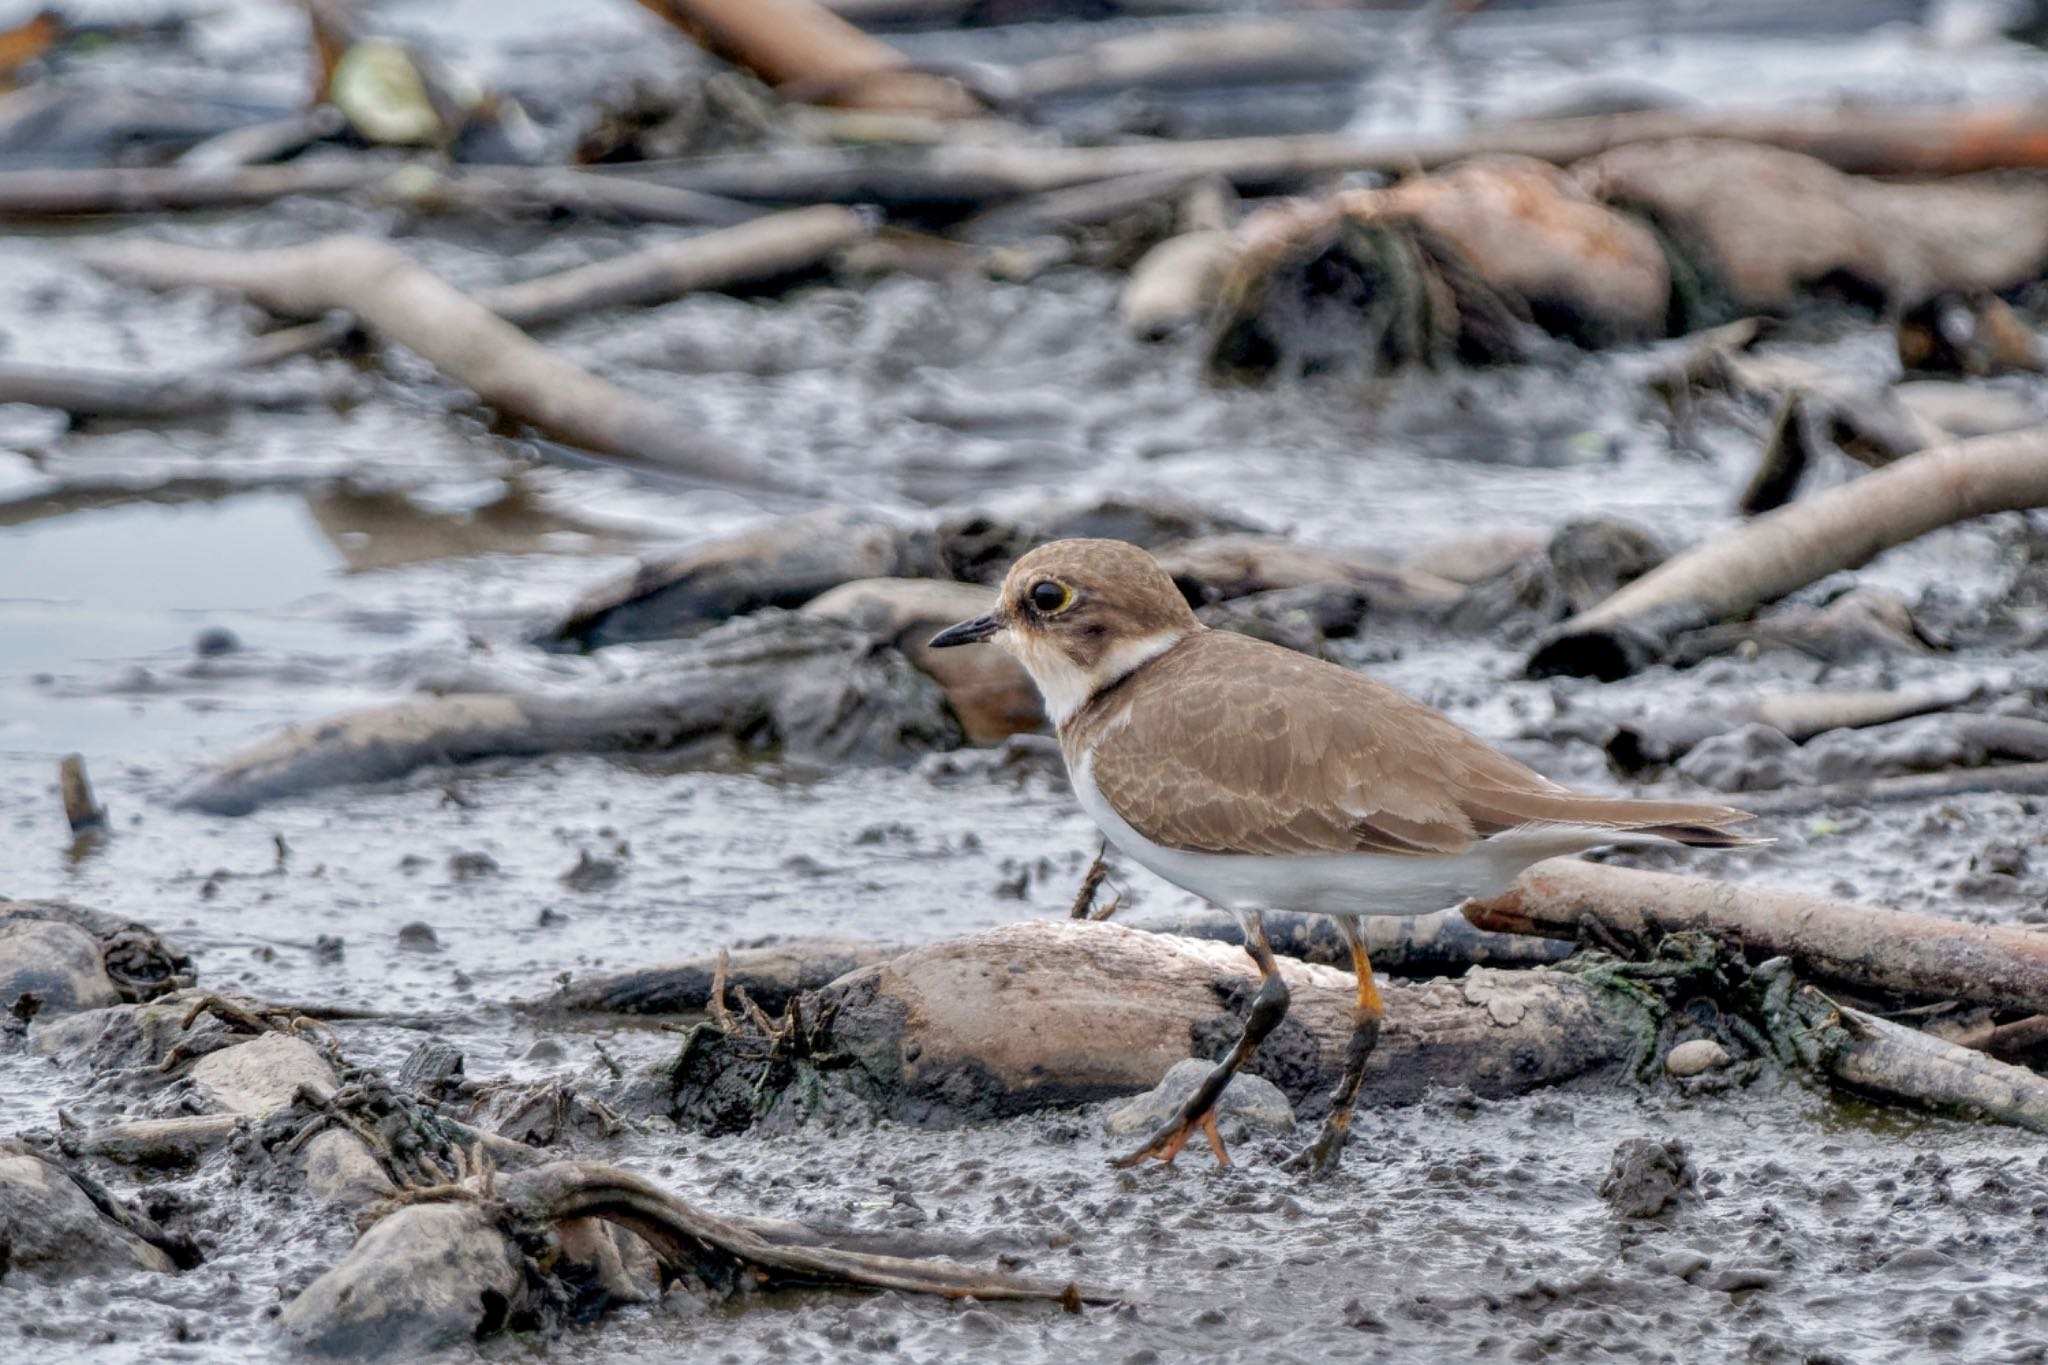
point(167, 597)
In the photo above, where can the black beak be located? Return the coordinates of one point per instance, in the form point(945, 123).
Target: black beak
point(967, 632)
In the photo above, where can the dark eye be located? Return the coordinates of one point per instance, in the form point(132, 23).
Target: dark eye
point(1049, 596)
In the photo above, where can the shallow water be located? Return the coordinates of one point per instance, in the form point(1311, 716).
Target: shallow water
point(353, 552)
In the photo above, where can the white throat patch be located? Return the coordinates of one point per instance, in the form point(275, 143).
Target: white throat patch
point(1065, 685)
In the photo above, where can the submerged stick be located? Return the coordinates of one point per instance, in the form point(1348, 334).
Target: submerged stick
point(405, 303)
point(1760, 561)
point(1918, 956)
point(81, 809)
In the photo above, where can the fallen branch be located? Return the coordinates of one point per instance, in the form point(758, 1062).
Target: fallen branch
point(68, 193)
point(780, 244)
point(689, 1239)
point(1915, 956)
point(86, 395)
point(404, 303)
point(2019, 779)
point(1875, 1056)
point(1762, 560)
point(1876, 142)
point(813, 55)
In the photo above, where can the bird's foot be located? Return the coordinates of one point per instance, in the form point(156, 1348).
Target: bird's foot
point(1165, 1144)
point(1320, 1159)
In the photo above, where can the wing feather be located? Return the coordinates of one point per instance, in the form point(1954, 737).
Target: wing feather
point(1230, 745)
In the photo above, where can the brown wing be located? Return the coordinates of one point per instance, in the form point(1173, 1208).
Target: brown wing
point(1231, 745)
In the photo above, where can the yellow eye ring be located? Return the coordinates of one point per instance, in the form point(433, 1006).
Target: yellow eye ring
point(1050, 598)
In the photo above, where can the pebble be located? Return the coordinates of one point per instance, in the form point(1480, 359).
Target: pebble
point(1253, 1099)
point(420, 937)
point(1696, 1055)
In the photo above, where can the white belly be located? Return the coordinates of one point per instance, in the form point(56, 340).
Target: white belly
point(1337, 883)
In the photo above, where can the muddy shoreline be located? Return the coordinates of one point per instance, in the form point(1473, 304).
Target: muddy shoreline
point(389, 542)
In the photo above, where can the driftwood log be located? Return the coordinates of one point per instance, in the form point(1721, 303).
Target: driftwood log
point(771, 975)
point(1759, 561)
point(818, 687)
point(403, 302)
point(1054, 1012)
point(1885, 951)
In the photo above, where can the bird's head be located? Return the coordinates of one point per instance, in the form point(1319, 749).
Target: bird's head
point(1080, 614)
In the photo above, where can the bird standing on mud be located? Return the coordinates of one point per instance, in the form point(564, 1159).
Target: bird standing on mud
point(1261, 779)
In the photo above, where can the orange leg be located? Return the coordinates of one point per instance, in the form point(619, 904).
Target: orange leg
point(1321, 1157)
point(1269, 1007)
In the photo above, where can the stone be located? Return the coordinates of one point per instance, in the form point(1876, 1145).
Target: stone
point(1645, 1177)
point(48, 1227)
point(261, 1074)
point(1696, 1055)
point(427, 1276)
point(49, 968)
point(1254, 1100)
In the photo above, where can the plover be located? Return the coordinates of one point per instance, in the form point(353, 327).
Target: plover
point(1261, 779)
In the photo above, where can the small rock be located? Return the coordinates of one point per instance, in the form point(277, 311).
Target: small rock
point(470, 865)
point(591, 873)
point(329, 948)
point(419, 936)
point(1645, 1177)
point(1253, 1099)
point(50, 1228)
point(1696, 1055)
point(215, 641)
point(426, 1277)
point(261, 1074)
point(51, 968)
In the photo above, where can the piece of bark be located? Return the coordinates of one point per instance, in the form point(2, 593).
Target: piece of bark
point(819, 688)
point(813, 55)
point(1051, 1012)
point(771, 975)
point(255, 144)
point(403, 302)
point(1913, 956)
point(1762, 560)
